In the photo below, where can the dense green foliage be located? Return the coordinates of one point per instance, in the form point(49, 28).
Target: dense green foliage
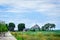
point(48, 26)
point(7, 26)
point(21, 26)
point(3, 27)
point(11, 26)
point(40, 35)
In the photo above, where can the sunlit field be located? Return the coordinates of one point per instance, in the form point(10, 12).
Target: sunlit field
point(39, 35)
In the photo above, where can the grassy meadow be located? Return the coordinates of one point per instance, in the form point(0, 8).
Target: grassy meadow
point(39, 35)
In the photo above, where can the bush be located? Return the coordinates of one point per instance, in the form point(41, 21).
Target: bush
point(3, 27)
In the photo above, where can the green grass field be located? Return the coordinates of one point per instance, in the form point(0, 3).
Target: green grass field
point(39, 35)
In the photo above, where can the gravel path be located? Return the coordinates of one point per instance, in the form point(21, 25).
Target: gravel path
point(8, 36)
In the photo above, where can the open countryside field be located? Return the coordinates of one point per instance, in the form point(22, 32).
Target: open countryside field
point(39, 35)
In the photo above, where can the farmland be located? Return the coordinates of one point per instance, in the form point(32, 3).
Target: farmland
point(39, 35)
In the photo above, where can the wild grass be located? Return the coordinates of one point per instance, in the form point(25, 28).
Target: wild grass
point(37, 35)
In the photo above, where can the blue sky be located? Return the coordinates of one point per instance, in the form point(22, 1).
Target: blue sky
point(30, 12)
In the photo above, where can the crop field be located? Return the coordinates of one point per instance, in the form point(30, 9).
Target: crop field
point(39, 35)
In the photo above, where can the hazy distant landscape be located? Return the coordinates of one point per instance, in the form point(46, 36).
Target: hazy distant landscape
point(46, 32)
point(29, 19)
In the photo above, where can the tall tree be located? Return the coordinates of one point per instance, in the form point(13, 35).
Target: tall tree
point(48, 26)
point(21, 26)
point(52, 26)
point(11, 26)
point(7, 26)
point(3, 28)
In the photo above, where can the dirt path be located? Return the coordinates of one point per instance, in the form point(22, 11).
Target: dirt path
point(8, 36)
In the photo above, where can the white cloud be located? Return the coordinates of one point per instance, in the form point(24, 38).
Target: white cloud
point(41, 6)
point(45, 7)
point(25, 6)
point(22, 5)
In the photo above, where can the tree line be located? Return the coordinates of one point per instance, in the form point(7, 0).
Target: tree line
point(10, 27)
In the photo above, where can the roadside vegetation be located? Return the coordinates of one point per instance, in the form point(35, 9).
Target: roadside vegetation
point(3, 28)
point(39, 35)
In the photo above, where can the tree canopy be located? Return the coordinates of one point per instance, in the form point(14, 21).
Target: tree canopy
point(11, 26)
point(21, 26)
point(48, 26)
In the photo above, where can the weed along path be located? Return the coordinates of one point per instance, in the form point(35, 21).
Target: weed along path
point(8, 36)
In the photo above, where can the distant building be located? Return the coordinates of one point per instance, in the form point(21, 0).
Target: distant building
point(35, 28)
